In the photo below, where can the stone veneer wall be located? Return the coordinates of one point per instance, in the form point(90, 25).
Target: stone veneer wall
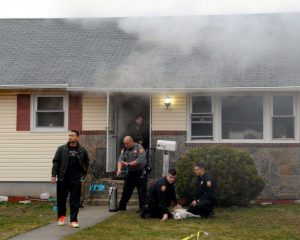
point(278, 163)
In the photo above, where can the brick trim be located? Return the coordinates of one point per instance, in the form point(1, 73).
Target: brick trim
point(93, 132)
point(75, 112)
point(23, 112)
point(246, 145)
point(169, 132)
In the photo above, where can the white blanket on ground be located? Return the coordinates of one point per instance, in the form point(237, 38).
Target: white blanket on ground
point(182, 213)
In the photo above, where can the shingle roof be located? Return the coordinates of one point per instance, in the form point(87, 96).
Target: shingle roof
point(223, 51)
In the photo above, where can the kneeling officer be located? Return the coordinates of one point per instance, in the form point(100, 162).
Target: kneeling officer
point(160, 196)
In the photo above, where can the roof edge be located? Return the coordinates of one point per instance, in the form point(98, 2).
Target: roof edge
point(186, 90)
point(34, 86)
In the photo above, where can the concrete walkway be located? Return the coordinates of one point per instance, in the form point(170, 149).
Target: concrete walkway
point(88, 216)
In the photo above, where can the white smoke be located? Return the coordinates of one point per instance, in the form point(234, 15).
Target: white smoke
point(244, 40)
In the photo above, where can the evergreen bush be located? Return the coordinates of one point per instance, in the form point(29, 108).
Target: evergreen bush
point(233, 170)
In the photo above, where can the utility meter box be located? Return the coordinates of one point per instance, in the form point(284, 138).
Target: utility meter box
point(166, 145)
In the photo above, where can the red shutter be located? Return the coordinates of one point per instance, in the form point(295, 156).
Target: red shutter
point(75, 112)
point(23, 112)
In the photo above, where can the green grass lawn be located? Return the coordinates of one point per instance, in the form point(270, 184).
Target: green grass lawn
point(18, 218)
point(260, 222)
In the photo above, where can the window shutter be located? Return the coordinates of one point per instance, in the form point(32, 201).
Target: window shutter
point(75, 112)
point(23, 112)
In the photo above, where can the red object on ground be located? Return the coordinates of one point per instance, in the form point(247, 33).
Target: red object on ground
point(16, 199)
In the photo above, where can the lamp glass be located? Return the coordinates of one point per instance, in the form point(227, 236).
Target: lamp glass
point(167, 101)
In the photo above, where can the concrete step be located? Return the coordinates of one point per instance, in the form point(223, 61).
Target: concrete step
point(101, 198)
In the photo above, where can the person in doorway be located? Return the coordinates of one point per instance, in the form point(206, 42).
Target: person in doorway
point(160, 196)
point(70, 165)
point(132, 158)
point(205, 197)
point(138, 131)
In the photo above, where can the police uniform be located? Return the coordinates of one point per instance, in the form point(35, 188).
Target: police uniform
point(135, 176)
point(160, 196)
point(205, 196)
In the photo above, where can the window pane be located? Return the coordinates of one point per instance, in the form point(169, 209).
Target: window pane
point(202, 126)
point(282, 105)
point(242, 117)
point(201, 104)
point(283, 127)
point(50, 103)
point(50, 119)
point(201, 131)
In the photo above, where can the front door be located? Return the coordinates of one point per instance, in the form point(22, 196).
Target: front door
point(111, 154)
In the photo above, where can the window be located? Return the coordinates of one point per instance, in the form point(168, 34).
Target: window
point(242, 117)
point(49, 112)
point(201, 118)
point(283, 119)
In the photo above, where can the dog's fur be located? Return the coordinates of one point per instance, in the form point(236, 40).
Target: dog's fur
point(182, 213)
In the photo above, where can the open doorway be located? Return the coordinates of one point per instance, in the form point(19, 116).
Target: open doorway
point(133, 112)
point(123, 110)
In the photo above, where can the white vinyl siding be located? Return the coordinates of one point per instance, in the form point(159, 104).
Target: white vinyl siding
point(24, 156)
point(171, 119)
point(94, 112)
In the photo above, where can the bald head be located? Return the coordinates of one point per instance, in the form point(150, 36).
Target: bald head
point(128, 142)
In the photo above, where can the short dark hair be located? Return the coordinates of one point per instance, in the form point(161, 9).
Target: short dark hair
point(139, 115)
point(200, 165)
point(75, 131)
point(172, 172)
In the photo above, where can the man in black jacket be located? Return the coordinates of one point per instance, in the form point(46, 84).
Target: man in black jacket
point(160, 196)
point(70, 165)
point(205, 197)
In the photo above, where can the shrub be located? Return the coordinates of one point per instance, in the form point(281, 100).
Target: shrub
point(233, 170)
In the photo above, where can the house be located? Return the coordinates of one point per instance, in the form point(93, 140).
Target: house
point(232, 80)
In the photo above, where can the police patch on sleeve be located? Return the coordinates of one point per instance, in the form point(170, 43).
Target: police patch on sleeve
point(208, 183)
point(141, 151)
point(163, 188)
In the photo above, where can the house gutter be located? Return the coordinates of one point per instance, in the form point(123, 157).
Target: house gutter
point(149, 90)
point(34, 86)
point(185, 90)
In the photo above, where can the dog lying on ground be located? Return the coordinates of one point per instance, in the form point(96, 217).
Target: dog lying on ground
point(180, 213)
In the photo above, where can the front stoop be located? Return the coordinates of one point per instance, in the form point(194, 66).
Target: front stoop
point(101, 198)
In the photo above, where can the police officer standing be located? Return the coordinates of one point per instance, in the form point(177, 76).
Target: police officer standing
point(205, 197)
point(160, 196)
point(133, 159)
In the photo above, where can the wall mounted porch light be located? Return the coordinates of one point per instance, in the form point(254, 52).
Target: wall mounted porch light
point(167, 102)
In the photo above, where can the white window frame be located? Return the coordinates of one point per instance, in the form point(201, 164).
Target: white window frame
point(267, 118)
point(211, 112)
point(189, 127)
point(50, 129)
point(295, 114)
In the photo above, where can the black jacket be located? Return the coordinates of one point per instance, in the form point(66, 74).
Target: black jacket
point(205, 188)
point(162, 199)
point(60, 161)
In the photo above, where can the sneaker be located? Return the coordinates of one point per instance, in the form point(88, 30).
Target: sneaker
point(74, 225)
point(61, 220)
